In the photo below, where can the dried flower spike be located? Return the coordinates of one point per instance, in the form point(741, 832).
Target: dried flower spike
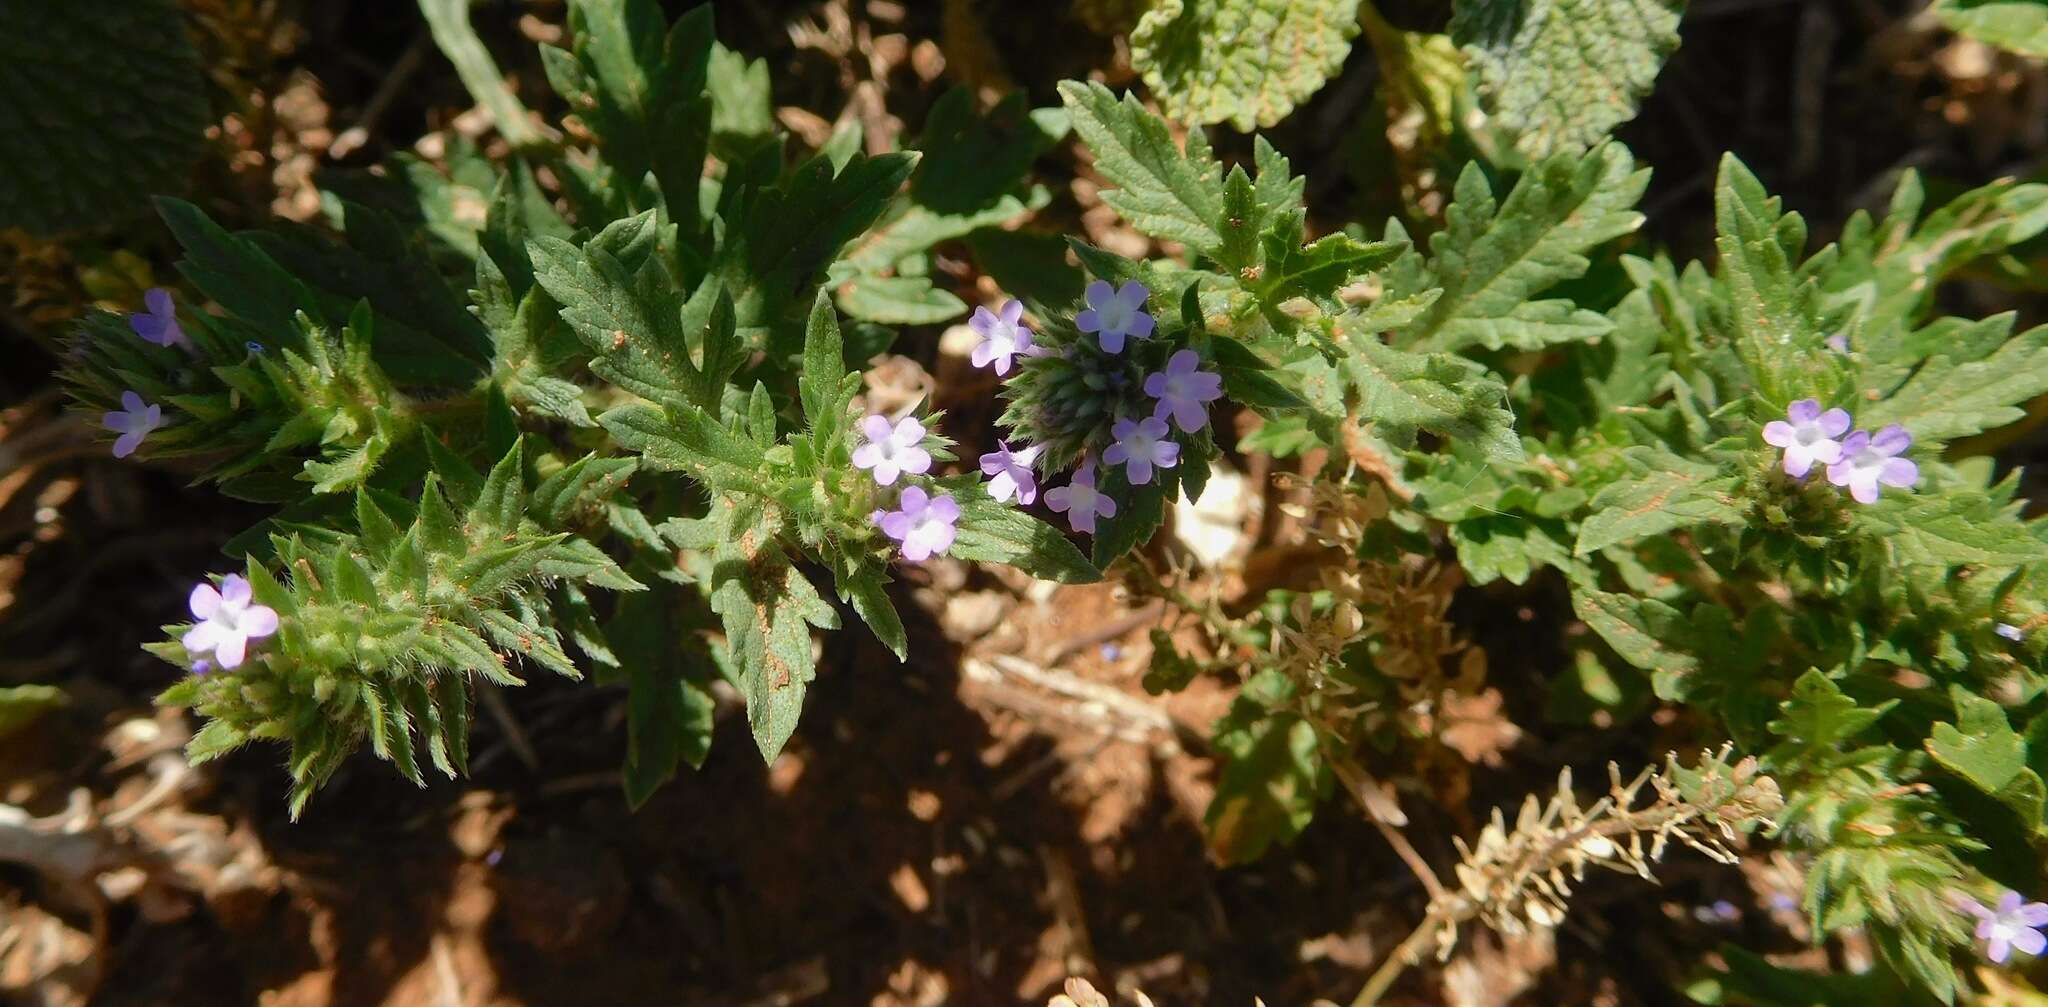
point(923, 524)
point(1115, 313)
point(1003, 337)
point(227, 621)
point(892, 450)
point(1870, 459)
point(1808, 435)
point(159, 324)
point(133, 422)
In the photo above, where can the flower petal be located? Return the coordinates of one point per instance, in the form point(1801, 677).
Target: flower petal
point(235, 592)
point(1099, 293)
point(1087, 320)
point(1803, 411)
point(126, 444)
point(132, 402)
point(2030, 941)
point(1891, 440)
point(1900, 472)
point(202, 638)
point(1141, 326)
point(204, 601)
point(230, 650)
point(1779, 434)
point(945, 508)
point(1133, 294)
point(875, 427)
point(1834, 422)
point(259, 621)
point(908, 431)
point(1013, 310)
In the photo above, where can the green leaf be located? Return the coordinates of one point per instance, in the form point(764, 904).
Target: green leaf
point(686, 439)
point(1982, 748)
point(864, 589)
point(641, 87)
point(102, 104)
point(1494, 259)
point(1949, 528)
point(1646, 633)
point(635, 323)
point(1268, 789)
point(767, 607)
point(1160, 191)
point(741, 116)
point(2018, 25)
point(1819, 719)
point(668, 714)
point(1563, 73)
point(1666, 492)
point(21, 705)
point(1773, 310)
point(1249, 62)
point(1249, 380)
point(1945, 400)
point(822, 385)
point(779, 246)
point(448, 20)
point(974, 158)
point(993, 532)
point(1400, 393)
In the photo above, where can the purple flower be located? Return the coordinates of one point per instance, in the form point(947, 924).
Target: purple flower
point(1868, 460)
point(227, 621)
point(159, 324)
point(2011, 925)
point(202, 666)
point(1003, 337)
point(1183, 391)
point(1011, 472)
point(1141, 445)
point(1080, 501)
point(2009, 631)
point(923, 524)
point(1114, 313)
point(1839, 342)
point(133, 422)
point(1809, 437)
point(892, 451)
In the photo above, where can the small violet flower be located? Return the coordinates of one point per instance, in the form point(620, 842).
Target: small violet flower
point(1140, 446)
point(922, 523)
point(1183, 391)
point(227, 622)
point(1114, 313)
point(159, 324)
point(2009, 631)
point(1807, 435)
point(1080, 501)
point(1839, 342)
point(1003, 337)
point(1011, 472)
point(133, 422)
point(2011, 925)
point(1869, 459)
point(892, 450)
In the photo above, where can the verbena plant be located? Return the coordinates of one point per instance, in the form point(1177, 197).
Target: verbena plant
point(631, 451)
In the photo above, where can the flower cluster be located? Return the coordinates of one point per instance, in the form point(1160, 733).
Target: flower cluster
point(922, 525)
point(1862, 461)
point(1103, 391)
point(158, 324)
